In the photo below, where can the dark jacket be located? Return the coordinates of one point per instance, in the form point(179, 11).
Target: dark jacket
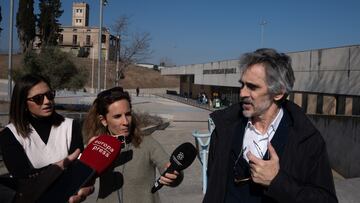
point(304, 175)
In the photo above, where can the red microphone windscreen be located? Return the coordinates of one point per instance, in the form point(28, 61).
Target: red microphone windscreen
point(101, 152)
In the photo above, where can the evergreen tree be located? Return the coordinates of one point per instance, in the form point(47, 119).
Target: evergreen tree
point(25, 23)
point(49, 26)
point(57, 66)
point(0, 19)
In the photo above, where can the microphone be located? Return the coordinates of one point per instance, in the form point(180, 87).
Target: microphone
point(96, 158)
point(180, 159)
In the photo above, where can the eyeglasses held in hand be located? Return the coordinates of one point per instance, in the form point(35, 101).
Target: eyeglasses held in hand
point(241, 169)
point(39, 98)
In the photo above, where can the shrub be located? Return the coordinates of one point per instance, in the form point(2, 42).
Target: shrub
point(55, 65)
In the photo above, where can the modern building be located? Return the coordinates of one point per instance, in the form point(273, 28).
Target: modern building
point(82, 39)
point(326, 80)
point(150, 66)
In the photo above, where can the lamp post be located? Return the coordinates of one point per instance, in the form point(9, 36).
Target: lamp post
point(102, 3)
point(10, 47)
point(117, 59)
point(262, 24)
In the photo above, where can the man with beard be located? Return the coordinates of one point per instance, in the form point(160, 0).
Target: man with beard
point(265, 149)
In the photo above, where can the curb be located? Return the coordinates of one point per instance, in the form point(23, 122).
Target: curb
point(150, 129)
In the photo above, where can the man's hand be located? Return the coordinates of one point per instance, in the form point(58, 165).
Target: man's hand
point(264, 171)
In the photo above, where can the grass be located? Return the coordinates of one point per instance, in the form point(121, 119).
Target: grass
point(135, 76)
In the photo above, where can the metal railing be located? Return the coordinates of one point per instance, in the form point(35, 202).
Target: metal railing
point(202, 141)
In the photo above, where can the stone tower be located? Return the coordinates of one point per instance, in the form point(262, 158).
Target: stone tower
point(80, 16)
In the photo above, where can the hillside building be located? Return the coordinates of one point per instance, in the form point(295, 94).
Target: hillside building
point(82, 39)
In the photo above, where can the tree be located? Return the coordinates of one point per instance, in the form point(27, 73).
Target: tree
point(48, 24)
point(131, 49)
point(55, 65)
point(0, 19)
point(25, 23)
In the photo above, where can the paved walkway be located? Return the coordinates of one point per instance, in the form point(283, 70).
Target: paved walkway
point(184, 119)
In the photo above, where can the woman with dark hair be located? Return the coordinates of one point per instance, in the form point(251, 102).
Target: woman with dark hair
point(36, 135)
point(133, 174)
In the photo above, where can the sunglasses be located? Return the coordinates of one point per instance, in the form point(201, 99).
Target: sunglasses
point(113, 93)
point(39, 98)
point(241, 169)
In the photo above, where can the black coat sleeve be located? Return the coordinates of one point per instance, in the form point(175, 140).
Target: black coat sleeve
point(76, 138)
point(14, 156)
point(211, 152)
point(313, 181)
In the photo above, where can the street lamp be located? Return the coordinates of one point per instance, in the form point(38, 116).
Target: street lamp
point(117, 59)
point(262, 24)
point(10, 47)
point(102, 2)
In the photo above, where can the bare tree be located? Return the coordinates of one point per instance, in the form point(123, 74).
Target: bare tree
point(131, 48)
point(120, 26)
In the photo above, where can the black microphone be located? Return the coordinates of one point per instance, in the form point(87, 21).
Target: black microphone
point(181, 158)
point(96, 158)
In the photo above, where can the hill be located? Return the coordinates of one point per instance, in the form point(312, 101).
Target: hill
point(135, 76)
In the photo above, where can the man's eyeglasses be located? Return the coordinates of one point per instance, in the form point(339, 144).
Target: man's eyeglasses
point(260, 152)
point(39, 98)
point(241, 169)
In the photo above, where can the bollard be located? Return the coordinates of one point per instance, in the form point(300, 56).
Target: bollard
point(203, 151)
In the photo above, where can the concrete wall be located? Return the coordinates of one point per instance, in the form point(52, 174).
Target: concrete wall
point(330, 71)
point(342, 137)
point(219, 73)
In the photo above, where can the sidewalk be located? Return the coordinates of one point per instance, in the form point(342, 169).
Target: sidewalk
point(184, 120)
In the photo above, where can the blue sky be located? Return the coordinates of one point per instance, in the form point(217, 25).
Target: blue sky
point(199, 31)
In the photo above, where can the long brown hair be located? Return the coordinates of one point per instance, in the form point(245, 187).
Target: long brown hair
point(92, 125)
point(19, 114)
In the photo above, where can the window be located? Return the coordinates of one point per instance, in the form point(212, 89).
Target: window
point(74, 42)
point(304, 101)
point(319, 104)
point(340, 104)
point(103, 38)
point(356, 106)
point(88, 38)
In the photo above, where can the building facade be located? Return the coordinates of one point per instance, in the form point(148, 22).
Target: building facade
point(82, 40)
point(326, 80)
